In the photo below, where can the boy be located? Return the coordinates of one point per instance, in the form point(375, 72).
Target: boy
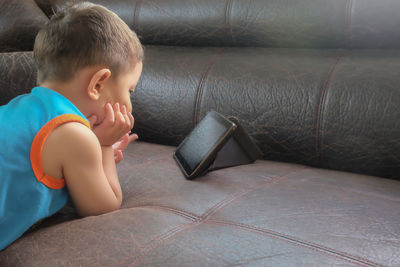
point(62, 133)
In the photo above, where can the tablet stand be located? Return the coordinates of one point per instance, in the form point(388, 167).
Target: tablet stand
point(238, 150)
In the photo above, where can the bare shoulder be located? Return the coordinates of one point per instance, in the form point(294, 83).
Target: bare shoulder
point(73, 135)
point(74, 130)
point(69, 143)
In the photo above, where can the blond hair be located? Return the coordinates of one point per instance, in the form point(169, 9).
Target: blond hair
point(82, 35)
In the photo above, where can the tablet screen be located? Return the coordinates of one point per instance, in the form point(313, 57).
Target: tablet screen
point(199, 143)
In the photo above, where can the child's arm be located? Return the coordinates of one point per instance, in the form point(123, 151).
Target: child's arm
point(88, 162)
point(111, 172)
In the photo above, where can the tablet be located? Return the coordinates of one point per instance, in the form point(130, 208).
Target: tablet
point(197, 151)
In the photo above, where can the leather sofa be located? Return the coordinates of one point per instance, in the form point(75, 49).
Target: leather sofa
point(316, 84)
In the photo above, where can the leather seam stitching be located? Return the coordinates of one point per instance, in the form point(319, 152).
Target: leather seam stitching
point(160, 239)
point(232, 198)
point(177, 230)
point(153, 243)
point(321, 110)
point(200, 88)
point(297, 241)
point(349, 11)
point(178, 212)
point(199, 94)
point(228, 14)
point(135, 25)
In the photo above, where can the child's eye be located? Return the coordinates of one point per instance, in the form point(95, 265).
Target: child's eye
point(132, 90)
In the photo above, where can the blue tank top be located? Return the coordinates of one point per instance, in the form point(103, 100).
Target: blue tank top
point(27, 194)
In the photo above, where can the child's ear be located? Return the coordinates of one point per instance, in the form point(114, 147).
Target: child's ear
point(96, 84)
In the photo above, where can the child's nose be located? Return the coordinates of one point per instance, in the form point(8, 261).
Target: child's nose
point(129, 108)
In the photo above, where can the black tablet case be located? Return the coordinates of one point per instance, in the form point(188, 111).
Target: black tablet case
point(240, 149)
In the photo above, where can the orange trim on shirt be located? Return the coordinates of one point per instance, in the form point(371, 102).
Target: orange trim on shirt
point(37, 149)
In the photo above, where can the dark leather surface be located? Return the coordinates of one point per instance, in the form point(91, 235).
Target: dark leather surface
point(334, 109)
point(267, 213)
point(20, 21)
point(17, 75)
point(49, 6)
point(298, 24)
point(330, 108)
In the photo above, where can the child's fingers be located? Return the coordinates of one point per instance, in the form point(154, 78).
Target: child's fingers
point(126, 123)
point(132, 137)
point(116, 145)
point(118, 156)
point(128, 120)
point(117, 112)
point(110, 115)
point(124, 142)
point(131, 119)
point(120, 119)
point(128, 139)
point(92, 120)
point(116, 107)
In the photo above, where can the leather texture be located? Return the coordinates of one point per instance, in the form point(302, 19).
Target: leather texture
point(17, 75)
point(316, 83)
point(20, 21)
point(263, 214)
point(349, 24)
point(333, 109)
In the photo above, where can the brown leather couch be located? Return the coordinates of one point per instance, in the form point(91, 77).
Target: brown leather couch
point(316, 83)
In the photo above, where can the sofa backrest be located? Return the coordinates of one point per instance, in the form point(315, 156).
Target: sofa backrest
point(265, 23)
point(314, 82)
point(348, 24)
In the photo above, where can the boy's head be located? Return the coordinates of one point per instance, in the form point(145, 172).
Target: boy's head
point(88, 54)
point(83, 35)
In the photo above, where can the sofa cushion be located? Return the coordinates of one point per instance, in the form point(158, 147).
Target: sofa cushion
point(263, 213)
point(20, 21)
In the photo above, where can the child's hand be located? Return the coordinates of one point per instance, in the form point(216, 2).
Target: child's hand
point(116, 124)
point(119, 146)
